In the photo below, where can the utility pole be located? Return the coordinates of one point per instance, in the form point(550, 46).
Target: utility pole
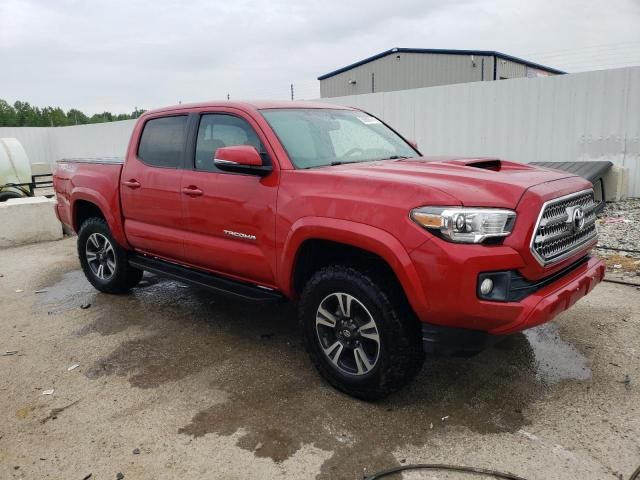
point(292, 92)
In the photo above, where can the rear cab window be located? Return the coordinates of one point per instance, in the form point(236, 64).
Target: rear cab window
point(162, 141)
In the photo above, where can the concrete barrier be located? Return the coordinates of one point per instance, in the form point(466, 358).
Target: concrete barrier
point(28, 220)
point(616, 183)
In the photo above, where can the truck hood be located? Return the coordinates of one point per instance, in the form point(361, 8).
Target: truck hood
point(486, 182)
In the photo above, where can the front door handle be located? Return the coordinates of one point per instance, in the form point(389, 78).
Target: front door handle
point(192, 191)
point(132, 183)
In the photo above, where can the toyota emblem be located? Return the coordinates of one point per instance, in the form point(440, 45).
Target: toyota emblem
point(576, 217)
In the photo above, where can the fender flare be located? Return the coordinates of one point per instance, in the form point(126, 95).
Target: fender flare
point(96, 198)
point(359, 235)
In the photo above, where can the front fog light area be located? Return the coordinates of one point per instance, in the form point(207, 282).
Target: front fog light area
point(486, 286)
point(494, 286)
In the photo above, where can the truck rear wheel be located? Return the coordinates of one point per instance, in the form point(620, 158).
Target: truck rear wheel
point(103, 261)
point(361, 341)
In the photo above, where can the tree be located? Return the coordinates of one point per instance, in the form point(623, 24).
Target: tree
point(26, 115)
point(76, 117)
point(22, 114)
point(7, 114)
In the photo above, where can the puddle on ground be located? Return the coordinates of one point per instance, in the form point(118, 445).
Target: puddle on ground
point(254, 353)
point(71, 290)
point(556, 360)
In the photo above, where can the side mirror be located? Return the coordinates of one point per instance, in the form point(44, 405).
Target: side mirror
point(241, 159)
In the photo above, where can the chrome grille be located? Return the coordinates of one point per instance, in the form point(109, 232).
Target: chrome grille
point(555, 236)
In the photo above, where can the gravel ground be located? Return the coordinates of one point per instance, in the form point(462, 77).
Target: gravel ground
point(175, 383)
point(619, 227)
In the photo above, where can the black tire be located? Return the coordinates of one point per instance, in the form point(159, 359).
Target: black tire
point(4, 196)
point(399, 349)
point(122, 276)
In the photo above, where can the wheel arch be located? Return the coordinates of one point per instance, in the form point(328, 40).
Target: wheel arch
point(87, 203)
point(313, 241)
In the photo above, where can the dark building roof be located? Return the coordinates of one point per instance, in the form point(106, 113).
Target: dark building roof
point(485, 53)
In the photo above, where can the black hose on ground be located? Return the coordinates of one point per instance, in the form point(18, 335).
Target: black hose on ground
point(458, 468)
point(444, 466)
point(615, 249)
point(621, 282)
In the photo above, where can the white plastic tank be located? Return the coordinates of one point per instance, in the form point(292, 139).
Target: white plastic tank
point(14, 167)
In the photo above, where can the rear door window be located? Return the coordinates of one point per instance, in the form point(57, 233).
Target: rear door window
point(162, 142)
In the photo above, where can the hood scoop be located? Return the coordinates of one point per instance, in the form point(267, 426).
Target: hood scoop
point(492, 164)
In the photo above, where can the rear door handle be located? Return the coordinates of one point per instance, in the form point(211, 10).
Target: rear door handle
point(192, 191)
point(132, 183)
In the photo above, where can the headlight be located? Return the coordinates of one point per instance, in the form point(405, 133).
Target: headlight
point(465, 225)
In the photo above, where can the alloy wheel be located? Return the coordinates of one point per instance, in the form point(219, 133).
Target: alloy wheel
point(101, 257)
point(348, 334)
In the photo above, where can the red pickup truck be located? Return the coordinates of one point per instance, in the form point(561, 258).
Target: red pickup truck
point(389, 254)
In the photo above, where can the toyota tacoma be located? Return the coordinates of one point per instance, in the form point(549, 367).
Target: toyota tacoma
point(389, 254)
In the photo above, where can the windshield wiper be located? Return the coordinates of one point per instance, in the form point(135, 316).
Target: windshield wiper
point(342, 162)
point(393, 157)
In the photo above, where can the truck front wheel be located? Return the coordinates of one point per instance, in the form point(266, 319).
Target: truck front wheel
point(361, 341)
point(104, 262)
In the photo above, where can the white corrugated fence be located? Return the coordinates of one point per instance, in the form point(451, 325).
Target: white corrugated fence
point(48, 144)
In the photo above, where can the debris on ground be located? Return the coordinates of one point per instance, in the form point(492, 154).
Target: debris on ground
point(73, 367)
point(48, 392)
point(41, 291)
point(84, 306)
point(616, 220)
point(9, 353)
point(136, 451)
point(88, 476)
point(53, 415)
point(119, 476)
point(626, 382)
point(445, 418)
point(619, 237)
point(19, 290)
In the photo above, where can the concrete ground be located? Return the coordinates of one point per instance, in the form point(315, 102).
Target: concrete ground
point(176, 383)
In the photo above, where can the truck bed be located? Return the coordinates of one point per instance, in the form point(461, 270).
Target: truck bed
point(100, 175)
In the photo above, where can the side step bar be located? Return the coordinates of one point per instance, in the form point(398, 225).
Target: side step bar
point(207, 280)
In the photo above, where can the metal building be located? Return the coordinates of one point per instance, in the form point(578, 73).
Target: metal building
point(406, 68)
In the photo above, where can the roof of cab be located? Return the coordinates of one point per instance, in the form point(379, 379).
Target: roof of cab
point(247, 105)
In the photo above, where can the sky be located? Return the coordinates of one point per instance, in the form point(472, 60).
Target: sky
point(116, 55)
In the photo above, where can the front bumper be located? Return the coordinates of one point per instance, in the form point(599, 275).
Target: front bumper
point(557, 297)
point(449, 275)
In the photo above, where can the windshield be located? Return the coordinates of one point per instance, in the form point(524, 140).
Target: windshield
point(321, 137)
